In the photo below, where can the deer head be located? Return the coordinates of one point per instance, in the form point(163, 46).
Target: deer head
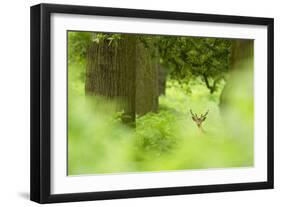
point(199, 119)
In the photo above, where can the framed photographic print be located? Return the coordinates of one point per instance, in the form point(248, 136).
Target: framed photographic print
point(133, 103)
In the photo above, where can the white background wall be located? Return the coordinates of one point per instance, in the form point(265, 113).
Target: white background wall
point(14, 101)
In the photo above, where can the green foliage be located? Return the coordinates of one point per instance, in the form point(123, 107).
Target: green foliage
point(76, 79)
point(108, 38)
point(98, 142)
point(154, 132)
point(194, 56)
point(78, 43)
point(183, 57)
point(168, 140)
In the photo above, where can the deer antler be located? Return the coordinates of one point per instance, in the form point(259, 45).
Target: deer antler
point(191, 112)
point(194, 115)
point(199, 120)
point(205, 114)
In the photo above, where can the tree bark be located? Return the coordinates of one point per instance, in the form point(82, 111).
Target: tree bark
point(147, 67)
point(241, 59)
point(111, 73)
point(162, 76)
point(125, 72)
point(242, 52)
point(211, 88)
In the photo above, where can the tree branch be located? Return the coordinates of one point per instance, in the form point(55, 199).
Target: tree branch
point(207, 81)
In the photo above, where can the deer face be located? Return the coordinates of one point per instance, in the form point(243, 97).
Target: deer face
point(199, 119)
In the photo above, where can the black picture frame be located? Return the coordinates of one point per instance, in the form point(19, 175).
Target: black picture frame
point(41, 98)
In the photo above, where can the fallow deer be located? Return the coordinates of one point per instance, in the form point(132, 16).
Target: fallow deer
point(199, 119)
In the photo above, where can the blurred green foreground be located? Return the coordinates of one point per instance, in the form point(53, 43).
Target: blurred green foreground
point(168, 140)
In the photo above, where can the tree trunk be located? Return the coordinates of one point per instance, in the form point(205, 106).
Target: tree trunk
point(125, 72)
point(111, 73)
point(147, 67)
point(242, 52)
point(162, 76)
point(241, 70)
point(211, 88)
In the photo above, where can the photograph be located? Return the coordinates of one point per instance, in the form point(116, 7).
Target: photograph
point(143, 103)
point(130, 103)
